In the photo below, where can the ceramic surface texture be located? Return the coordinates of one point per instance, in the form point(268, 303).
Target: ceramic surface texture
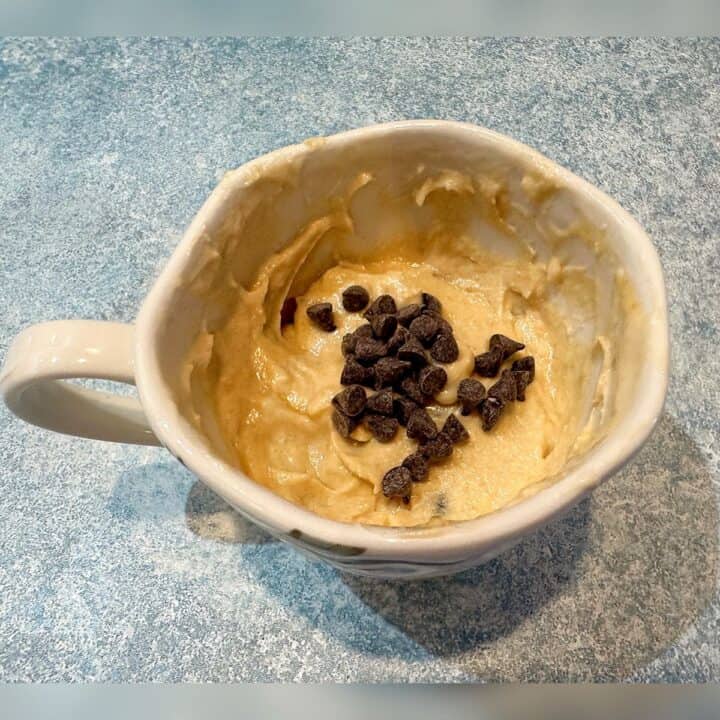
point(131, 570)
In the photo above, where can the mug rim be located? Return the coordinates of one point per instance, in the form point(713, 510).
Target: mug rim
point(455, 539)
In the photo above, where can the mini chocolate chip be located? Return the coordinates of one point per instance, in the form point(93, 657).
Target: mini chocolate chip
point(355, 298)
point(368, 350)
point(403, 408)
point(354, 373)
point(397, 482)
point(383, 428)
point(438, 447)
point(421, 426)
point(348, 343)
point(381, 403)
point(490, 411)
point(411, 388)
point(445, 348)
point(522, 380)
point(527, 364)
point(413, 351)
point(488, 363)
point(322, 315)
point(455, 430)
point(344, 424)
point(508, 345)
point(432, 379)
point(350, 401)
point(431, 303)
point(383, 304)
point(398, 339)
point(418, 466)
point(407, 314)
point(424, 328)
point(504, 390)
point(470, 394)
point(445, 327)
point(389, 371)
point(363, 331)
point(369, 379)
point(383, 326)
point(287, 312)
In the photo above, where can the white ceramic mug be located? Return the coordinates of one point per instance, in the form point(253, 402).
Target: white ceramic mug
point(150, 353)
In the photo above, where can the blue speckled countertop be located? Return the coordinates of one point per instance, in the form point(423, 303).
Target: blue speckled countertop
point(115, 564)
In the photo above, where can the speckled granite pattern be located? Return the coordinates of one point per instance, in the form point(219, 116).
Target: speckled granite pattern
point(115, 564)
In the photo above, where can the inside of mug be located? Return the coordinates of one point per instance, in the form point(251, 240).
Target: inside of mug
point(382, 185)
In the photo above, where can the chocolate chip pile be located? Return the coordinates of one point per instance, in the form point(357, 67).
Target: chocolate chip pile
point(392, 354)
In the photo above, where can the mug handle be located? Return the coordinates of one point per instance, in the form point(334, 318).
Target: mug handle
point(43, 356)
